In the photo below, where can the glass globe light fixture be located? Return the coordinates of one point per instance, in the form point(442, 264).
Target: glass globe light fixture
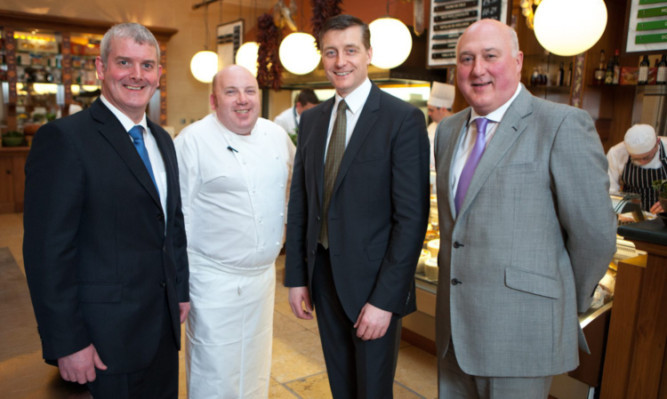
point(298, 53)
point(246, 56)
point(569, 27)
point(204, 65)
point(391, 42)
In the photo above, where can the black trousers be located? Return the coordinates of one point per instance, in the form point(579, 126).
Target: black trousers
point(356, 368)
point(158, 381)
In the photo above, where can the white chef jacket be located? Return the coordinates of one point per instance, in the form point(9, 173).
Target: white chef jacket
point(618, 156)
point(288, 120)
point(233, 190)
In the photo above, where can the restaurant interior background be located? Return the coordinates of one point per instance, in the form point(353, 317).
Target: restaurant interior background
point(183, 30)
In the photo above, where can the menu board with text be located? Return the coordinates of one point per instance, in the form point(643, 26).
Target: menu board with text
point(449, 18)
point(647, 28)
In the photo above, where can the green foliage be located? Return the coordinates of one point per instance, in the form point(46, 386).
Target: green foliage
point(661, 187)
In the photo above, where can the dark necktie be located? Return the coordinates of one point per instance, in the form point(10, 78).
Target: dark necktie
point(334, 155)
point(137, 134)
point(471, 163)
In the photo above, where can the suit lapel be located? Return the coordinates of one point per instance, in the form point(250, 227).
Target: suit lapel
point(367, 118)
point(113, 132)
point(508, 132)
point(163, 145)
point(453, 142)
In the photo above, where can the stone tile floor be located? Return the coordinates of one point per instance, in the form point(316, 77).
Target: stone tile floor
point(297, 369)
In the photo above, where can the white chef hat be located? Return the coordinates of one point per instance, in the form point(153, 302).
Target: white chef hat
point(442, 95)
point(640, 139)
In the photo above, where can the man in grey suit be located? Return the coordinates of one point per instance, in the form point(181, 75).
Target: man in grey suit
point(527, 227)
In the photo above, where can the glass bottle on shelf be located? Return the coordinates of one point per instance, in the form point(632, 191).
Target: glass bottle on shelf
point(617, 68)
point(661, 77)
point(642, 78)
point(561, 75)
point(598, 76)
point(609, 72)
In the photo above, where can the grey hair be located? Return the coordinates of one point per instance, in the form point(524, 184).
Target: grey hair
point(131, 30)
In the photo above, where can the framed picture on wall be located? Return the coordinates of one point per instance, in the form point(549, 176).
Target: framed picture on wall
point(449, 18)
point(229, 37)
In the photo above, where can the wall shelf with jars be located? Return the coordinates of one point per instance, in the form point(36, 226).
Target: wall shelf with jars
point(47, 63)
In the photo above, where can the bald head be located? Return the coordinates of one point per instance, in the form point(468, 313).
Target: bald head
point(235, 99)
point(488, 65)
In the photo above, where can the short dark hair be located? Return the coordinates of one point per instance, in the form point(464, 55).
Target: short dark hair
point(342, 22)
point(307, 96)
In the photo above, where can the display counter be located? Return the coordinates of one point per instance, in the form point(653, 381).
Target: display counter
point(635, 362)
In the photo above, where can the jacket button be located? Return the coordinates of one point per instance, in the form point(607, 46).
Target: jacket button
point(163, 284)
point(160, 217)
point(457, 244)
point(456, 281)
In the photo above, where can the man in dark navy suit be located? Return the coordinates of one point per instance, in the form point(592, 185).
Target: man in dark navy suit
point(357, 216)
point(104, 246)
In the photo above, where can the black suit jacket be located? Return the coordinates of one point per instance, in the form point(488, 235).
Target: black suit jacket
point(378, 209)
point(101, 263)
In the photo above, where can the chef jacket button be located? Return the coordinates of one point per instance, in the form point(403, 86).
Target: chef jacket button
point(456, 281)
point(457, 244)
point(282, 213)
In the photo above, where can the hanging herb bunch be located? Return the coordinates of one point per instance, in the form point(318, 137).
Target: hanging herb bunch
point(269, 68)
point(323, 9)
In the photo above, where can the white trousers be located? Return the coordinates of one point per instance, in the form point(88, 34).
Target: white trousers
point(229, 333)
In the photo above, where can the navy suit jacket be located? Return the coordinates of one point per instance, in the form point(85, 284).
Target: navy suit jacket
point(101, 257)
point(378, 209)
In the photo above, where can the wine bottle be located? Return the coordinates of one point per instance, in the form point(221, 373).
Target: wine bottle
point(561, 75)
point(617, 68)
point(609, 72)
point(598, 77)
point(661, 77)
point(642, 79)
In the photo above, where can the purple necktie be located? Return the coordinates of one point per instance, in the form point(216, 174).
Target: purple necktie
point(471, 163)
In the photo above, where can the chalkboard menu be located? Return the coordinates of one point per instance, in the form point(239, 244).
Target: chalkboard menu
point(449, 18)
point(647, 28)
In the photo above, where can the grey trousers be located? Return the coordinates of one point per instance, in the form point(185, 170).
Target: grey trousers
point(454, 383)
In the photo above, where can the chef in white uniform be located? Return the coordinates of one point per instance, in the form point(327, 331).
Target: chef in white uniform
point(439, 106)
point(234, 169)
point(636, 162)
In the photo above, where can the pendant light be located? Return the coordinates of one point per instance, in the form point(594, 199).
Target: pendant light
point(569, 27)
point(204, 64)
point(298, 51)
point(391, 42)
point(246, 56)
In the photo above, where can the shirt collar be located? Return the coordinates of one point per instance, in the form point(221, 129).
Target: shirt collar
point(122, 118)
point(357, 98)
point(496, 115)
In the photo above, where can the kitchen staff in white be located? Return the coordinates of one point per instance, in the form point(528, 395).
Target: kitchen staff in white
point(234, 169)
point(439, 107)
point(636, 162)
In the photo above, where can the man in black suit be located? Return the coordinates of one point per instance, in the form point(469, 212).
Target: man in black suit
point(104, 245)
point(357, 216)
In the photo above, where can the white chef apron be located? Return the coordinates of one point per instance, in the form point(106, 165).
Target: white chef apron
point(229, 331)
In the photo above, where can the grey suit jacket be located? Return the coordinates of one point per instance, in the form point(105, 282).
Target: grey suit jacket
point(534, 236)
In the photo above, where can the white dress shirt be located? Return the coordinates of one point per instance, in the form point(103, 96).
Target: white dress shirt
point(355, 103)
point(154, 154)
point(468, 140)
point(233, 190)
